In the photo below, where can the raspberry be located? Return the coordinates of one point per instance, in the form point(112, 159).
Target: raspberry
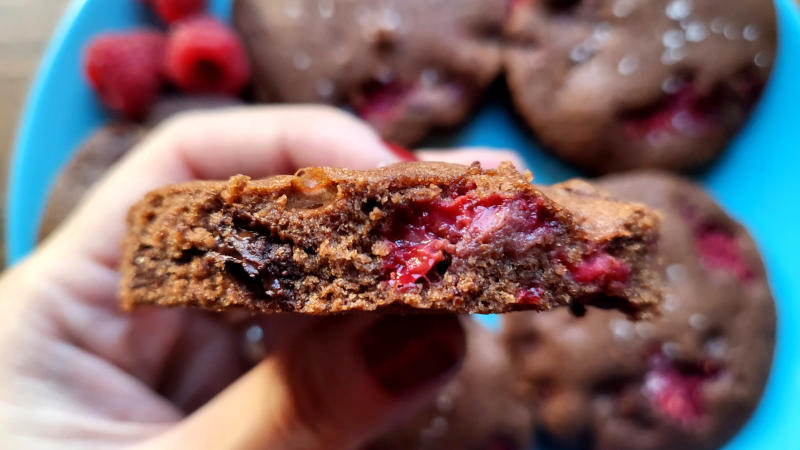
point(125, 70)
point(380, 103)
point(205, 55)
point(418, 233)
point(685, 111)
point(677, 390)
point(172, 11)
point(414, 261)
point(719, 249)
point(601, 268)
point(529, 296)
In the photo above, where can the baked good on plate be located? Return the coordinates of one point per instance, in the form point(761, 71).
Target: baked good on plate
point(611, 85)
point(405, 66)
point(688, 379)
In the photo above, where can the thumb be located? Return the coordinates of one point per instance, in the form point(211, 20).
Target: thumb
point(334, 387)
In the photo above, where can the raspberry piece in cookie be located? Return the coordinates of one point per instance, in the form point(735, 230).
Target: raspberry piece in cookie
point(676, 390)
point(719, 249)
point(425, 236)
point(684, 112)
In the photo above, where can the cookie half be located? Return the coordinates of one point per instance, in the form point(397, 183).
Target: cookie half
point(422, 236)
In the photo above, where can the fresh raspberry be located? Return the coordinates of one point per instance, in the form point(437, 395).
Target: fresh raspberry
point(126, 70)
point(205, 55)
point(172, 11)
point(410, 262)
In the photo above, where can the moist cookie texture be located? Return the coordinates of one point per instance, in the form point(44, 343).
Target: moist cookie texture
point(478, 410)
point(423, 236)
point(404, 66)
point(688, 379)
point(611, 85)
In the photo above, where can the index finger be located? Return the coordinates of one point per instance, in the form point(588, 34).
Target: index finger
point(256, 141)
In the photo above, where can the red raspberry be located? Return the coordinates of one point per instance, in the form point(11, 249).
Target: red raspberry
point(172, 11)
point(529, 296)
point(205, 55)
point(719, 249)
point(125, 69)
point(601, 268)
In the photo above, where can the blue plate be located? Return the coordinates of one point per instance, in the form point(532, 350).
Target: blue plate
point(757, 180)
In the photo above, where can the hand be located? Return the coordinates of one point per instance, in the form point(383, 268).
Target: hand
point(77, 371)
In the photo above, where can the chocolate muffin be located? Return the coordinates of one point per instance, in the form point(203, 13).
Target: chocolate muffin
point(92, 159)
point(688, 379)
point(405, 66)
point(611, 85)
point(478, 410)
point(421, 236)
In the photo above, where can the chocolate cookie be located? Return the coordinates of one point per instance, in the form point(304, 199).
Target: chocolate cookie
point(404, 66)
point(429, 236)
point(92, 159)
point(689, 379)
point(611, 85)
point(478, 410)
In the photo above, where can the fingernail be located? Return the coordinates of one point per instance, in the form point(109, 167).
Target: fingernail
point(405, 353)
point(401, 152)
